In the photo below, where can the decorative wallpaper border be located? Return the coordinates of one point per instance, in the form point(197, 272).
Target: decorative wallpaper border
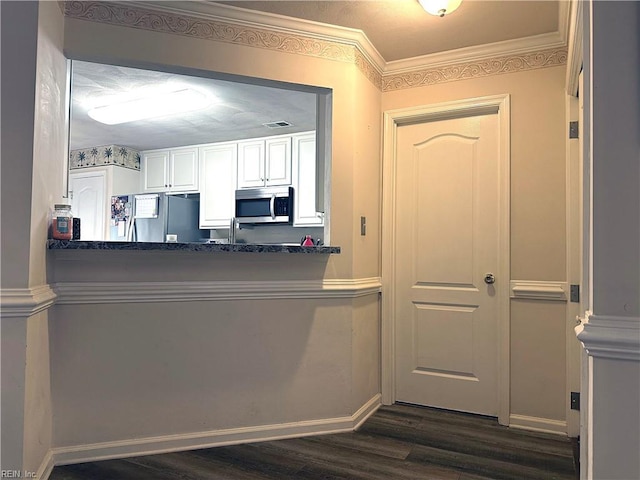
point(192, 26)
point(295, 43)
point(484, 68)
point(104, 155)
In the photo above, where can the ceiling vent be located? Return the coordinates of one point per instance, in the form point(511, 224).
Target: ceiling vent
point(280, 124)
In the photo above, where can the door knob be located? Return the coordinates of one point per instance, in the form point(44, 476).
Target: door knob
point(489, 279)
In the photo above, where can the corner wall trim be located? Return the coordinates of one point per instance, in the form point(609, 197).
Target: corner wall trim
point(25, 302)
point(137, 292)
point(214, 438)
point(611, 337)
point(536, 290)
point(46, 467)
point(537, 424)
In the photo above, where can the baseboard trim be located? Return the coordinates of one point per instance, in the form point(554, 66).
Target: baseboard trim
point(215, 438)
point(537, 424)
point(46, 467)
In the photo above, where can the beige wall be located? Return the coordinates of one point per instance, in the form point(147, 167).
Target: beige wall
point(184, 367)
point(33, 146)
point(537, 223)
point(355, 143)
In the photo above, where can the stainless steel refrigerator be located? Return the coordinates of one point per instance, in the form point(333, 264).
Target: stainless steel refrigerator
point(157, 217)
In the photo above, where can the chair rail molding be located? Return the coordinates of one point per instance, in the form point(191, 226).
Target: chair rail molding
point(25, 302)
point(139, 292)
point(611, 337)
point(539, 290)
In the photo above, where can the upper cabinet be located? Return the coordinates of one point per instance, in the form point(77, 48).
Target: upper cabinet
point(171, 171)
point(264, 163)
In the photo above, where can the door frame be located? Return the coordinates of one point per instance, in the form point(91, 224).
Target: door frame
point(392, 119)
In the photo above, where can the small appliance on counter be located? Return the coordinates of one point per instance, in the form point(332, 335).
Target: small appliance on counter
point(267, 205)
point(156, 217)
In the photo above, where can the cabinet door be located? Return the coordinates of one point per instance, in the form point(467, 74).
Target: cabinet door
point(278, 161)
point(154, 170)
point(218, 166)
point(251, 164)
point(304, 162)
point(89, 203)
point(183, 170)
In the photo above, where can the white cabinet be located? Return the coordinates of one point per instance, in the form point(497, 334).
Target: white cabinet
point(264, 163)
point(172, 171)
point(304, 181)
point(218, 166)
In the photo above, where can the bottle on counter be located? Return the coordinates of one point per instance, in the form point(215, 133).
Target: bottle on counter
point(62, 222)
point(308, 241)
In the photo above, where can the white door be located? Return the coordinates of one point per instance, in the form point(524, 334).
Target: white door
point(447, 242)
point(88, 202)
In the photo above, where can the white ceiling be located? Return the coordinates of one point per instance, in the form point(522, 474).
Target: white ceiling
point(239, 113)
point(398, 29)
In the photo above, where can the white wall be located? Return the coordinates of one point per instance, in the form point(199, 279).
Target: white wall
point(611, 335)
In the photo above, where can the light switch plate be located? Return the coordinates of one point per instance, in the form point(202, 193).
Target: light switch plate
point(363, 226)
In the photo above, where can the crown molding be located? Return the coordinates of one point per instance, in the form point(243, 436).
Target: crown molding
point(517, 47)
point(475, 69)
point(283, 24)
point(223, 23)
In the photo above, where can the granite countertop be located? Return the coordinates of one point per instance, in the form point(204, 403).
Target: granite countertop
point(189, 247)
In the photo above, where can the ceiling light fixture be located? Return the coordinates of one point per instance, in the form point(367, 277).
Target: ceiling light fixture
point(440, 7)
point(153, 106)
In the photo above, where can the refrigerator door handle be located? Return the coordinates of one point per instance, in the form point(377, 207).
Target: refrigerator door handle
point(130, 227)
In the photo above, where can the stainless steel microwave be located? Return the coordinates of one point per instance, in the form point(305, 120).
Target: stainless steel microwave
point(265, 205)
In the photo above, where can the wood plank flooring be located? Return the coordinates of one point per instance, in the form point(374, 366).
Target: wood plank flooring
point(397, 442)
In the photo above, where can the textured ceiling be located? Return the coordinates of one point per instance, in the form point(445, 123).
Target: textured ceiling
point(401, 29)
point(239, 113)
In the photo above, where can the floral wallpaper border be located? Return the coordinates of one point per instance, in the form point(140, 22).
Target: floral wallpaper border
point(485, 68)
point(300, 44)
point(104, 155)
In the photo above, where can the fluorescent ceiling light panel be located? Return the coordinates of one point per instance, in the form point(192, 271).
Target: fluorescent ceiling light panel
point(157, 105)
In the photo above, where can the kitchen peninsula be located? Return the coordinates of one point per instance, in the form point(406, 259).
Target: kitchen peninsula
point(191, 247)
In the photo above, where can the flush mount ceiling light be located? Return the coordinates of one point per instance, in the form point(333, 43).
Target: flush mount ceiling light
point(159, 104)
point(440, 7)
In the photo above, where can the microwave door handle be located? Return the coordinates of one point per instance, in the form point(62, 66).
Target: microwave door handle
point(272, 206)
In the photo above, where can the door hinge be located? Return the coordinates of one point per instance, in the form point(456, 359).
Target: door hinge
point(573, 130)
point(575, 400)
point(574, 293)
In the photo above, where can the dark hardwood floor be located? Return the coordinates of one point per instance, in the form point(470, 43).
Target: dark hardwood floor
point(397, 442)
